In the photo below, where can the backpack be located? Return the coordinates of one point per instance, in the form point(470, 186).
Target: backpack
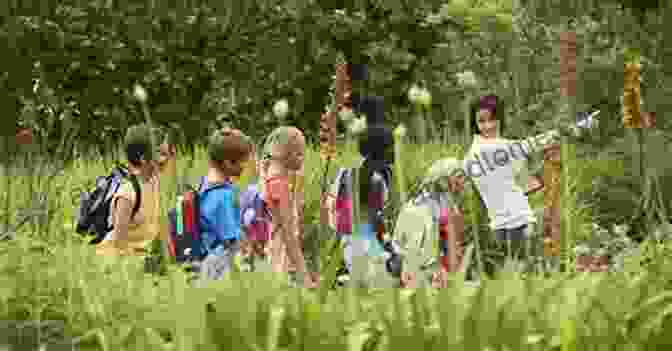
point(185, 241)
point(340, 200)
point(95, 206)
point(254, 214)
point(422, 227)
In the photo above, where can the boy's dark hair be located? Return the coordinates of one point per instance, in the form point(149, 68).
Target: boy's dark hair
point(229, 144)
point(491, 102)
point(138, 144)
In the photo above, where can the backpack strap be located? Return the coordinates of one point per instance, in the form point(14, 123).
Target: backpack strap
point(135, 182)
point(138, 194)
point(204, 188)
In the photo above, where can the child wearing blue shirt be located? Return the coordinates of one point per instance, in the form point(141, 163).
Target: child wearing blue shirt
point(228, 151)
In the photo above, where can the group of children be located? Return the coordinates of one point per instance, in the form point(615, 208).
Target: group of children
point(229, 152)
point(433, 218)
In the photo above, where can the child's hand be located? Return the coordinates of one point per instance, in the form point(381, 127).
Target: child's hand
point(440, 279)
point(407, 280)
point(552, 153)
point(534, 184)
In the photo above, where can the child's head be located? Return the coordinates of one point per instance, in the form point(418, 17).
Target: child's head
point(228, 150)
point(288, 146)
point(487, 119)
point(138, 147)
point(446, 175)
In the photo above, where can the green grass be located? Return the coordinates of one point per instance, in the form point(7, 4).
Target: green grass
point(49, 273)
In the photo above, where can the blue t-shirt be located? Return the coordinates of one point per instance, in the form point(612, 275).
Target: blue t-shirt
point(219, 217)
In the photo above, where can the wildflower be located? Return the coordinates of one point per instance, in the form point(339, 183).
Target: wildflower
point(357, 125)
point(281, 108)
point(140, 93)
point(414, 94)
point(631, 97)
point(419, 96)
point(467, 79)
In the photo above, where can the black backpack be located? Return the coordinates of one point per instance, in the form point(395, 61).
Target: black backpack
point(95, 206)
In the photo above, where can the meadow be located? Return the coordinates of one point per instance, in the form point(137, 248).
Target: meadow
point(47, 272)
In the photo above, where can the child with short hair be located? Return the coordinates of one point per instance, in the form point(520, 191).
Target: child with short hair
point(132, 232)
point(433, 219)
point(228, 151)
point(282, 156)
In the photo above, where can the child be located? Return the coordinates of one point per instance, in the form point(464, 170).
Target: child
point(283, 155)
point(131, 234)
point(376, 146)
point(508, 208)
point(228, 151)
point(433, 220)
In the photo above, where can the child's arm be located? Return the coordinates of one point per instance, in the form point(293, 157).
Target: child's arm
point(277, 199)
point(535, 184)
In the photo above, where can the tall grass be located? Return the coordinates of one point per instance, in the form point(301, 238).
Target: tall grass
point(48, 273)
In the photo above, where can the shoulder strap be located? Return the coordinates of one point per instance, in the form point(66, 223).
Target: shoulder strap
point(136, 187)
point(138, 193)
point(204, 188)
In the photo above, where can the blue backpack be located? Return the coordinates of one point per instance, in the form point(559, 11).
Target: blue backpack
point(185, 242)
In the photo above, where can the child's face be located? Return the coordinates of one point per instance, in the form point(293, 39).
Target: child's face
point(235, 168)
point(454, 184)
point(293, 153)
point(166, 153)
point(487, 124)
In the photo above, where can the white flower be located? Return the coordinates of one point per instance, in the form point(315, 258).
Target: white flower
point(467, 79)
point(140, 93)
point(357, 125)
point(414, 94)
point(281, 108)
point(346, 115)
point(419, 96)
point(400, 131)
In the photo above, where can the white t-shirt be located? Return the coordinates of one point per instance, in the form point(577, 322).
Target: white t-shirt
point(493, 166)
